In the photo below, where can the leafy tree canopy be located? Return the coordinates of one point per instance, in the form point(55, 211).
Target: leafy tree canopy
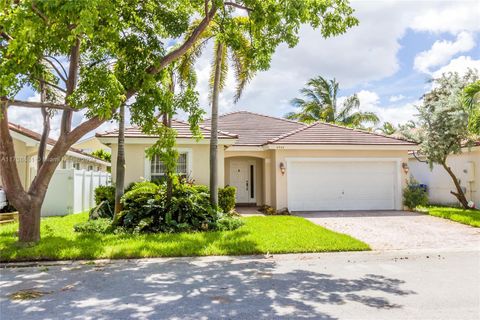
point(443, 123)
point(123, 42)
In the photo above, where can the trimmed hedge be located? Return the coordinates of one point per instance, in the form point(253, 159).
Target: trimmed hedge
point(226, 198)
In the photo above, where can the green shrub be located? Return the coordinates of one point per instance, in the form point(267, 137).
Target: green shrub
point(145, 209)
point(100, 225)
point(414, 195)
point(226, 198)
point(228, 223)
point(103, 193)
point(105, 203)
point(269, 211)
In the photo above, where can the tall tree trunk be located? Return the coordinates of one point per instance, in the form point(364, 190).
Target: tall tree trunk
point(214, 128)
point(29, 222)
point(460, 195)
point(120, 174)
point(46, 127)
point(167, 122)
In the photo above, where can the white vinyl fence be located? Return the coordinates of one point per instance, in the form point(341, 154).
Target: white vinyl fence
point(72, 191)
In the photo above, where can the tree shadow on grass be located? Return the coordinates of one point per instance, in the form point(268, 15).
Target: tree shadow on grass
point(193, 289)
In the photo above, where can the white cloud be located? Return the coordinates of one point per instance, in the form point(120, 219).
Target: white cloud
point(460, 65)
point(364, 54)
point(370, 101)
point(396, 98)
point(442, 51)
point(456, 17)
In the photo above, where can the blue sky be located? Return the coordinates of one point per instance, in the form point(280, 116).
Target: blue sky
point(387, 60)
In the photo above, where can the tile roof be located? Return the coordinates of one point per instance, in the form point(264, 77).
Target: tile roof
point(37, 136)
point(254, 129)
point(182, 128)
point(320, 133)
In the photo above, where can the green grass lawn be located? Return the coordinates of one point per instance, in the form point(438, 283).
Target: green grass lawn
point(470, 217)
point(272, 234)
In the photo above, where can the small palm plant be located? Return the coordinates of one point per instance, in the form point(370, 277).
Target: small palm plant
point(320, 104)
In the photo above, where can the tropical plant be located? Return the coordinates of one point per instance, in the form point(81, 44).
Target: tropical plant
point(226, 198)
point(116, 51)
point(414, 195)
point(320, 104)
point(471, 96)
point(102, 154)
point(146, 210)
point(387, 128)
point(236, 50)
point(443, 124)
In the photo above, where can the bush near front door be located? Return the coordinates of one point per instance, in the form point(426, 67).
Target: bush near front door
point(226, 198)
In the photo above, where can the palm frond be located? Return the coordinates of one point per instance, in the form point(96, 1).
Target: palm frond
point(243, 72)
point(219, 47)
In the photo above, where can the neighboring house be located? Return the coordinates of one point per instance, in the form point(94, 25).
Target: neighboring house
point(62, 190)
point(90, 145)
point(466, 167)
point(284, 164)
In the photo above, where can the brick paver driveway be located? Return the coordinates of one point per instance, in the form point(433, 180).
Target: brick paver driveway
point(387, 230)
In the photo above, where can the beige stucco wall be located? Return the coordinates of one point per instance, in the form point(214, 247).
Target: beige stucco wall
point(135, 162)
point(279, 181)
point(90, 145)
point(440, 183)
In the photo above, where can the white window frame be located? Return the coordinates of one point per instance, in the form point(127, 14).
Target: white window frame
point(188, 151)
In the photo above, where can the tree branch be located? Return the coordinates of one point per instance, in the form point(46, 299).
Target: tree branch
point(33, 104)
point(177, 53)
point(6, 36)
point(84, 128)
point(39, 13)
point(61, 66)
point(53, 85)
point(237, 5)
point(66, 124)
point(60, 75)
point(8, 165)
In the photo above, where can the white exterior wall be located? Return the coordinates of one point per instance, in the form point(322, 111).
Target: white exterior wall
point(72, 191)
point(466, 167)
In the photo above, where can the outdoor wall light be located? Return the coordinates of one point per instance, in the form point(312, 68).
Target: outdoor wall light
point(405, 167)
point(282, 168)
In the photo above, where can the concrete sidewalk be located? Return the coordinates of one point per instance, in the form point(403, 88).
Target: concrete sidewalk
point(361, 285)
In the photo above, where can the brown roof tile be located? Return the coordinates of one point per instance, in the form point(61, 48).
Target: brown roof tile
point(182, 128)
point(254, 129)
point(321, 133)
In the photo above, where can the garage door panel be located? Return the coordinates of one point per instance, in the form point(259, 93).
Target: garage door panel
point(342, 185)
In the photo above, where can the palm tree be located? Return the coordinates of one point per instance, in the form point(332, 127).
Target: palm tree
point(387, 128)
point(471, 98)
point(320, 104)
point(239, 56)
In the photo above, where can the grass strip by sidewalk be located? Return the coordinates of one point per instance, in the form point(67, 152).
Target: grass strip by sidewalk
point(470, 217)
point(259, 235)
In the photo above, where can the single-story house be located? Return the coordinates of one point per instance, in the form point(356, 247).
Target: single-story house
point(283, 163)
point(90, 145)
point(71, 187)
point(466, 167)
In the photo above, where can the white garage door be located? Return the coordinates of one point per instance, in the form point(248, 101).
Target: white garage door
point(341, 185)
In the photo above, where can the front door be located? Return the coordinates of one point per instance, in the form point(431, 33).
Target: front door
point(242, 177)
